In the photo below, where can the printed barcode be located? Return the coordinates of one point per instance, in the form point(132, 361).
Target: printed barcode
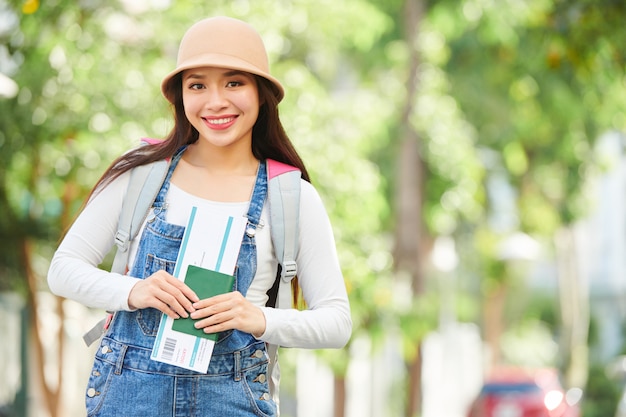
point(168, 349)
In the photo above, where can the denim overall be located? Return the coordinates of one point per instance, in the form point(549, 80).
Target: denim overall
point(125, 382)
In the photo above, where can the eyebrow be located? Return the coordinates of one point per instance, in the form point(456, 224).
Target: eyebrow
point(231, 73)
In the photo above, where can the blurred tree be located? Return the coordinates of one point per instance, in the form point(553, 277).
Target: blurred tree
point(53, 138)
point(412, 240)
point(434, 171)
point(540, 80)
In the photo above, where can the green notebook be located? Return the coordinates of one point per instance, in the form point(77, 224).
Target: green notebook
point(205, 283)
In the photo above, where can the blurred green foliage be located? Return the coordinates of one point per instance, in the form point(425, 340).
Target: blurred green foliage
point(511, 98)
point(601, 393)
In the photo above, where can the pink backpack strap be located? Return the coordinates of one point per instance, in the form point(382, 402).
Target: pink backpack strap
point(275, 168)
point(151, 141)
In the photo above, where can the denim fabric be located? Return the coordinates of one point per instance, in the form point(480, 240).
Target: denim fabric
point(126, 382)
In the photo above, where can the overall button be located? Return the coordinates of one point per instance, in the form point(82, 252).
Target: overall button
point(260, 378)
point(265, 397)
point(91, 392)
point(258, 354)
point(105, 350)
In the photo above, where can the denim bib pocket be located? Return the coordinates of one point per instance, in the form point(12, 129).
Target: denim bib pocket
point(154, 264)
point(149, 319)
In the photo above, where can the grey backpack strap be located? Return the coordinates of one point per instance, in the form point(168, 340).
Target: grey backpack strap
point(273, 371)
point(143, 186)
point(145, 182)
point(284, 200)
point(284, 206)
point(96, 331)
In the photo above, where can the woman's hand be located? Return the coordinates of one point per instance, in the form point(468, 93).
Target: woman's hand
point(165, 293)
point(229, 311)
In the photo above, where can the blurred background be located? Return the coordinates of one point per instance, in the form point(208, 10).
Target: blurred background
point(470, 154)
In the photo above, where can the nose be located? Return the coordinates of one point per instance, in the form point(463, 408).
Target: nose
point(215, 98)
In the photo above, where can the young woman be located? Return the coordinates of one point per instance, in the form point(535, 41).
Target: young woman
point(226, 127)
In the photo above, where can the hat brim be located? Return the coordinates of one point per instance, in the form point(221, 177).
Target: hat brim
point(218, 61)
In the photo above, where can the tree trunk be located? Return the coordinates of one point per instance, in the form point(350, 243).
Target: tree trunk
point(408, 254)
point(339, 403)
point(50, 395)
point(414, 401)
point(574, 304)
point(493, 323)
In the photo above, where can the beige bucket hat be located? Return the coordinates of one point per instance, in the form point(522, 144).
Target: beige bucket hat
point(222, 42)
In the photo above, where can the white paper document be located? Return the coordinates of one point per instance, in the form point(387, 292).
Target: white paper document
point(212, 241)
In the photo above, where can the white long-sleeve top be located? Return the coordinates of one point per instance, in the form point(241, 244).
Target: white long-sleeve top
point(74, 271)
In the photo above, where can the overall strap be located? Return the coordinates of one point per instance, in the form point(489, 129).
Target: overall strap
point(253, 216)
point(259, 194)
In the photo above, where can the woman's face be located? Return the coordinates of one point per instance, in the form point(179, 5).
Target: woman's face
point(222, 104)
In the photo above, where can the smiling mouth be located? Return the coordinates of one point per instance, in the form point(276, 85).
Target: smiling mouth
point(220, 121)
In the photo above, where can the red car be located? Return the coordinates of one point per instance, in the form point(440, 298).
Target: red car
point(519, 393)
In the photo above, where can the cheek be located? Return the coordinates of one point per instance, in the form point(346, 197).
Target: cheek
point(190, 108)
point(190, 103)
point(251, 103)
point(188, 113)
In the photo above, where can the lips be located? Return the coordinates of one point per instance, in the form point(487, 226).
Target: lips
point(219, 123)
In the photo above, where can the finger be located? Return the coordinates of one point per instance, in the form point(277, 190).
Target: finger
point(183, 296)
point(167, 310)
point(166, 279)
point(181, 303)
point(184, 289)
point(216, 323)
point(221, 327)
point(208, 311)
point(217, 299)
point(204, 303)
point(232, 313)
point(155, 292)
point(176, 302)
point(158, 291)
point(211, 306)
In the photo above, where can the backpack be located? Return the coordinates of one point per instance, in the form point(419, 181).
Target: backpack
point(283, 196)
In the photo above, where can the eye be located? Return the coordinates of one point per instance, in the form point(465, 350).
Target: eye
point(195, 86)
point(234, 83)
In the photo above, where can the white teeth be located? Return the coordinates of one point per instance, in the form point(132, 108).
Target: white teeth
point(220, 121)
